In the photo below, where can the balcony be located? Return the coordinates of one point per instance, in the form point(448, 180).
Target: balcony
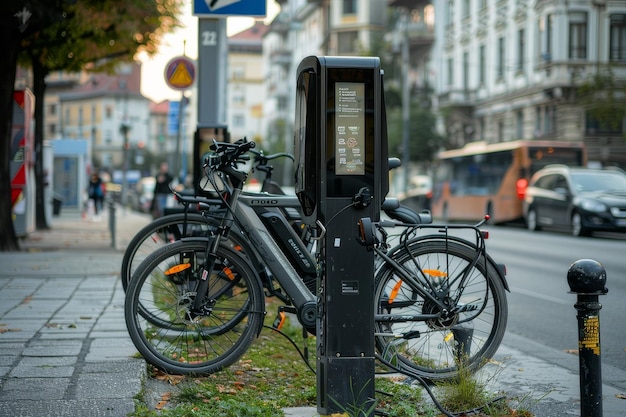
point(458, 99)
point(420, 33)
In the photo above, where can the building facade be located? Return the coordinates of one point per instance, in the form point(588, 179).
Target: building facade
point(511, 69)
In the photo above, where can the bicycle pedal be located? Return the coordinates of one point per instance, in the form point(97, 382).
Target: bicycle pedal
point(279, 321)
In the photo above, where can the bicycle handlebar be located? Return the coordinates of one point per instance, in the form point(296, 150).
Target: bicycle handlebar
point(225, 153)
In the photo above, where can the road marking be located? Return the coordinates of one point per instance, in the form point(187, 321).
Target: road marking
point(541, 296)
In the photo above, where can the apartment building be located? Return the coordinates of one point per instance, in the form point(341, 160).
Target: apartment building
point(510, 69)
point(303, 28)
point(107, 111)
point(246, 83)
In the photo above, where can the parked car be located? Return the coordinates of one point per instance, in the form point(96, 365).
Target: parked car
point(581, 199)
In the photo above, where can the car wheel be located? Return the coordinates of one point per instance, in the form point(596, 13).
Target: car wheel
point(577, 225)
point(531, 220)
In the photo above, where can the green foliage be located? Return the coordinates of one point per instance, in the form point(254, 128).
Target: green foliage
point(603, 97)
point(424, 141)
point(94, 34)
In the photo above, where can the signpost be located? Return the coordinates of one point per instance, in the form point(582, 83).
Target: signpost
point(180, 74)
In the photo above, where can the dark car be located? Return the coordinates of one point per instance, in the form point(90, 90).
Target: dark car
point(581, 199)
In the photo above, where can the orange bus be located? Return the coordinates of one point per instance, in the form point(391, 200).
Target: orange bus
point(482, 178)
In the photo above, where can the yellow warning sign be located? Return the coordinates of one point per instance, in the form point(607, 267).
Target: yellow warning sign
point(180, 73)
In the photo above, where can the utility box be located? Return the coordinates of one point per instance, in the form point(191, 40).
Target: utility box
point(342, 176)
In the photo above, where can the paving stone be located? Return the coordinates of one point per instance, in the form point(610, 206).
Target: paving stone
point(42, 371)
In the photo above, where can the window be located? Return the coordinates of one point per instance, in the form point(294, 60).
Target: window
point(239, 120)
point(238, 72)
point(594, 126)
point(500, 63)
point(519, 124)
point(450, 14)
point(52, 129)
point(52, 110)
point(466, 70)
point(578, 35)
point(500, 131)
point(349, 6)
point(481, 65)
point(549, 118)
point(450, 71)
point(347, 42)
point(521, 49)
point(109, 112)
point(545, 38)
point(281, 104)
point(617, 42)
point(481, 128)
point(538, 132)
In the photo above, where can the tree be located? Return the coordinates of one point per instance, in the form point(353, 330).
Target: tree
point(603, 97)
point(66, 34)
point(424, 140)
point(93, 38)
point(18, 20)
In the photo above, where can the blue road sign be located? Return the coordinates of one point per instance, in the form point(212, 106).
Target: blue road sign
point(225, 8)
point(172, 118)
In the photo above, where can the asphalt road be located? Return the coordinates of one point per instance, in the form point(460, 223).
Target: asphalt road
point(541, 307)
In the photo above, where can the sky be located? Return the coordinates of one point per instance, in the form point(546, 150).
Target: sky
point(184, 42)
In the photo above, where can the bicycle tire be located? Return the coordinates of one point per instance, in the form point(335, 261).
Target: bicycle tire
point(433, 348)
point(158, 233)
point(205, 344)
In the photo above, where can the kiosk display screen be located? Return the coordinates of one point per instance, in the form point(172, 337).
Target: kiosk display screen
point(350, 128)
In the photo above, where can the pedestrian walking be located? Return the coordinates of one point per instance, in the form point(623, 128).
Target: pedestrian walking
point(161, 191)
point(96, 194)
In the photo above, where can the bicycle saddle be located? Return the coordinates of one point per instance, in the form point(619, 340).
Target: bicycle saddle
point(393, 209)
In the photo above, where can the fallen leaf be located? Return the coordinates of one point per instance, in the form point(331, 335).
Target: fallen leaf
point(621, 396)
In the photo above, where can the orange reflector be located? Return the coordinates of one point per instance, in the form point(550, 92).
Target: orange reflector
point(177, 268)
point(435, 273)
point(238, 248)
point(229, 273)
point(394, 291)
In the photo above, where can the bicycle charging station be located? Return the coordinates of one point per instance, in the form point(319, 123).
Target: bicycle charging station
point(342, 176)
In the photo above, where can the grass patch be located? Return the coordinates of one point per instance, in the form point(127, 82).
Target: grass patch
point(272, 376)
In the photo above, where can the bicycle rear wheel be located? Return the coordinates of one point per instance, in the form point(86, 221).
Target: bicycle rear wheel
point(183, 342)
point(471, 330)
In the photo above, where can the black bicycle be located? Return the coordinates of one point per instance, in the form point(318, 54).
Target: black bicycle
point(439, 297)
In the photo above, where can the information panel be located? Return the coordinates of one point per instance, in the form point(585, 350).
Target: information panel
point(350, 128)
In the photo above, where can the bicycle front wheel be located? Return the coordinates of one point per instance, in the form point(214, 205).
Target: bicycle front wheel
point(412, 329)
point(187, 341)
point(159, 233)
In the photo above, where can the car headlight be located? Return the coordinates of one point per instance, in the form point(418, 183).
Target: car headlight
point(592, 205)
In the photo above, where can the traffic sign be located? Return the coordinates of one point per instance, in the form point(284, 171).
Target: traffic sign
point(225, 8)
point(180, 73)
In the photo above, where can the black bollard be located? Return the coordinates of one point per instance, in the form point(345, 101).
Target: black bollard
point(112, 222)
point(586, 278)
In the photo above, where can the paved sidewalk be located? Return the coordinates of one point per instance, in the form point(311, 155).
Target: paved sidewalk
point(64, 348)
point(65, 351)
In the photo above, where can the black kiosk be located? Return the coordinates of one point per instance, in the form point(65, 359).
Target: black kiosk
point(342, 176)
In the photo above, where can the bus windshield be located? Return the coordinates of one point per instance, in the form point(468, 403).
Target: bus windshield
point(488, 179)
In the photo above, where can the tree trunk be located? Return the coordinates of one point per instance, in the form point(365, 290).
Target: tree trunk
point(39, 90)
point(11, 41)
